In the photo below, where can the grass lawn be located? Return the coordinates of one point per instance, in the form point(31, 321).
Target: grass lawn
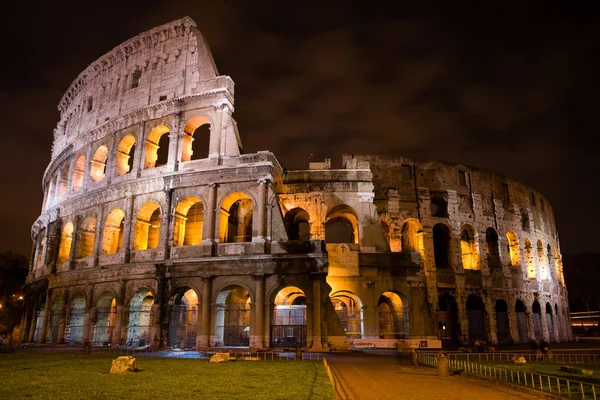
point(81, 377)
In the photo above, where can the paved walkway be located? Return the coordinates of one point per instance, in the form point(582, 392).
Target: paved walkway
point(381, 377)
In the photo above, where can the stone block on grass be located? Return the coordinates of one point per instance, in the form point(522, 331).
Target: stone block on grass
point(122, 365)
point(575, 370)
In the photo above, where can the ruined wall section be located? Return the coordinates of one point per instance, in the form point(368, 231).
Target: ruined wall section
point(161, 64)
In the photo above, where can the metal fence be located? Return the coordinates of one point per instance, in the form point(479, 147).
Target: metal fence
point(560, 358)
point(546, 383)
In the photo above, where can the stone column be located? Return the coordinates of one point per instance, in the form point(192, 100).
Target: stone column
point(490, 308)
point(118, 329)
point(46, 320)
point(316, 320)
point(33, 321)
point(45, 250)
point(98, 235)
point(545, 334)
point(74, 242)
point(208, 234)
point(87, 321)
point(128, 228)
point(167, 222)
point(263, 186)
point(175, 143)
point(25, 321)
point(204, 340)
point(258, 334)
point(86, 174)
point(63, 319)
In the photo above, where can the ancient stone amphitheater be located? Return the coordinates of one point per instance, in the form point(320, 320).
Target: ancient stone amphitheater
point(156, 230)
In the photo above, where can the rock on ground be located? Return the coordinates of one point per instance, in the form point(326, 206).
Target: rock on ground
point(123, 364)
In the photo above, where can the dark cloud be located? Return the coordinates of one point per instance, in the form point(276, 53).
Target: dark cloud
point(510, 87)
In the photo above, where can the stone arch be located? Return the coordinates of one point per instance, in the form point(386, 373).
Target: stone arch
point(288, 324)
point(349, 309)
point(476, 318)
point(492, 248)
point(411, 236)
point(184, 314)
point(196, 139)
point(520, 310)
point(297, 222)
point(112, 241)
point(64, 180)
point(98, 167)
point(39, 320)
point(514, 251)
point(537, 320)
point(86, 236)
point(530, 259)
point(232, 319)
point(147, 227)
point(66, 239)
point(393, 316)
point(138, 329)
point(236, 218)
point(78, 173)
point(106, 311)
point(125, 155)
point(468, 248)
point(341, 225)
point(441, 246)
point(157, 147)
point(502, 321)
point(189, 221)
point(447, 316)
point(77, 308)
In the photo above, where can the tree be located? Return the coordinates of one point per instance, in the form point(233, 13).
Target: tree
point(13, 272)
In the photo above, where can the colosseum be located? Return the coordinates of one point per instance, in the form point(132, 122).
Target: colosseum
point(157, 231)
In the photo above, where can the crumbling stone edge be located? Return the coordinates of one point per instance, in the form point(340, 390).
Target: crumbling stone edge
point(338, 387)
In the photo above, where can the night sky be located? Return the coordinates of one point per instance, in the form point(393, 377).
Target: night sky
point(511, 88)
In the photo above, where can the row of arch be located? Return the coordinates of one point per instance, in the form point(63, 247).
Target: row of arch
point(528, 325)
point(547, 259)
point(235, 215)
point(156, 147)
point(230, 318)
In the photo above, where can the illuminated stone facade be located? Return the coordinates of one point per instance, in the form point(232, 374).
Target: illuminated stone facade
point(156, 230)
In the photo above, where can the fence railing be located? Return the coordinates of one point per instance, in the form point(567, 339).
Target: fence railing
point(128, 351)
point(546, 383)
point(561, 358)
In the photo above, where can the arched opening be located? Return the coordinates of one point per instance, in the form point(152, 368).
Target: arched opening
point(550, 322)
point(183, 319)
point(537, 321)
point(476, 317)
point(298, 227)
point(492, 248)
point(54, 321)
point(468, 248)
point(98, 168)
point(66, 239)
point(125, 155)
point(157, 147)
point(530, 259)
point(438, 207)
point(447, 315)
point(196, 139)
point(412, 237)
point(39, 321)
point(232, 319)
point(341, 225)
point(288, 327)
point(106, 311)
point(86, 236)
point(393, 317)
point(76, 320)
point(78, 173)
point(189, 219)
point(113, 232)
point(64, 181)
point(235, 219)
point(349, 310)
point(40, 251)
point(513, 249)
point(441, 246)
point(140, 309)
point(542, 261)
point(502, 325)
point(147, 227)
point(521, 321)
